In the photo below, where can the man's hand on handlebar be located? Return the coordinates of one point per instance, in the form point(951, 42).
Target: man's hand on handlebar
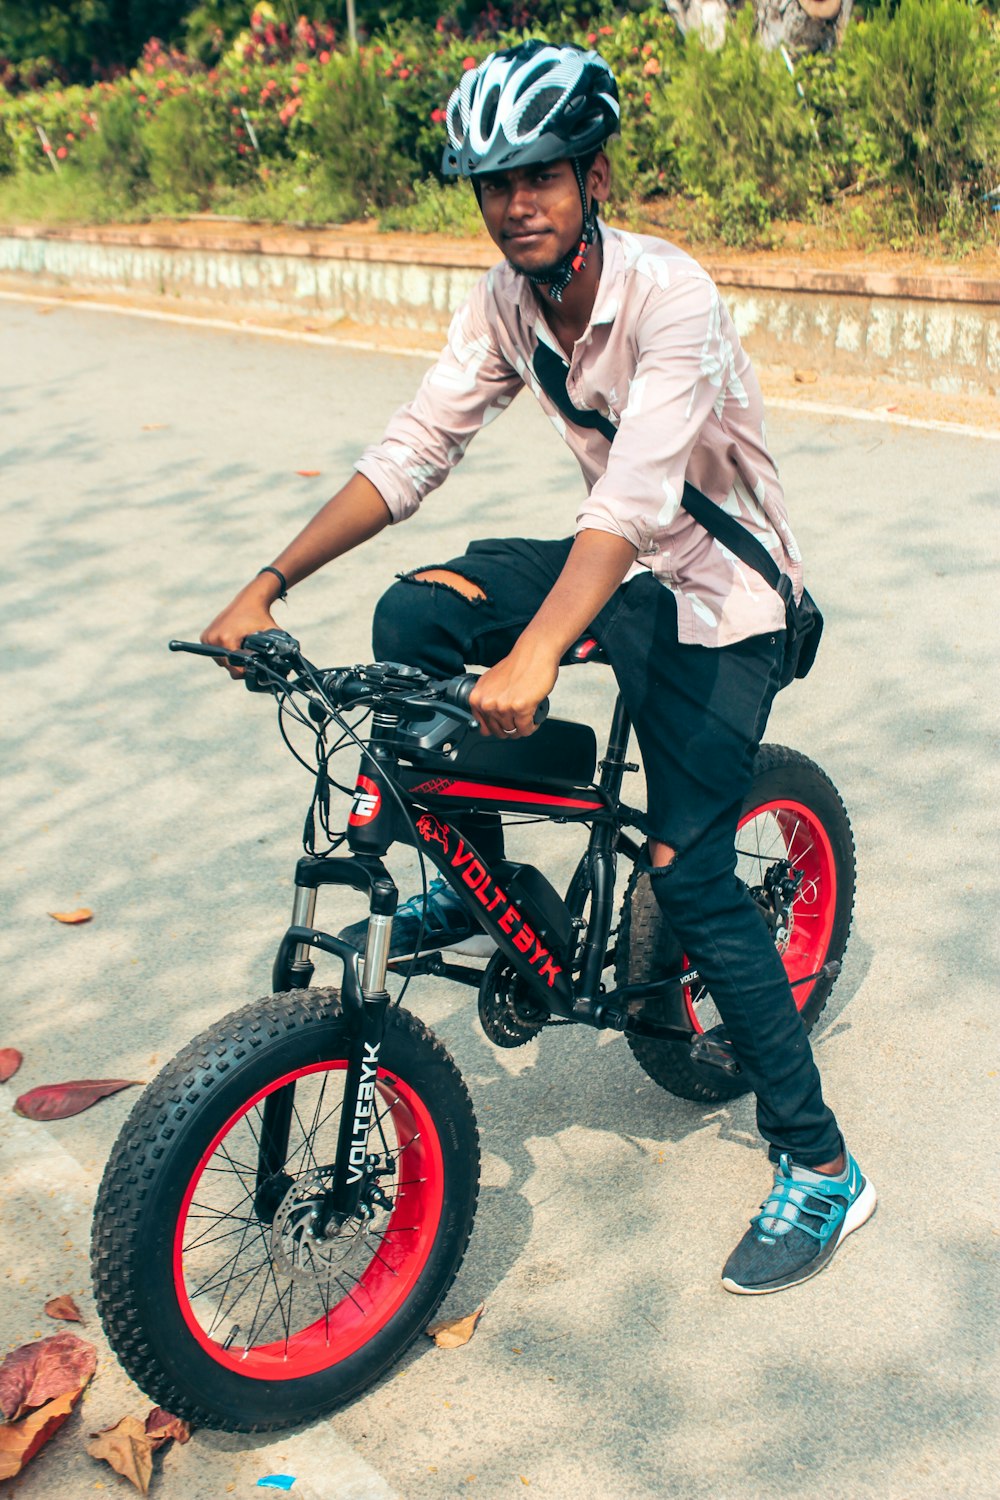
point(249, 611)
point(506, 698)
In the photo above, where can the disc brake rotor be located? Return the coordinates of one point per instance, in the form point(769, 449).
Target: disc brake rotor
point(295, 1248)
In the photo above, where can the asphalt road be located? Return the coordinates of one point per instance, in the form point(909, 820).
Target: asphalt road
point(145, 472)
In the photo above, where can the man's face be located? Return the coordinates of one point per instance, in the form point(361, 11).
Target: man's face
point(534, 214)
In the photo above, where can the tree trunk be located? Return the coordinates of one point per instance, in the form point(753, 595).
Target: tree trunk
point(798, 25)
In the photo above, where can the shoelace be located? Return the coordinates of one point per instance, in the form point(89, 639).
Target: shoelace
point(415, 906)
point(789, 1203)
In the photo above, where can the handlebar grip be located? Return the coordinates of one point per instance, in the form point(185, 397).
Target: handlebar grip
point(196, 649)
point(459, 691)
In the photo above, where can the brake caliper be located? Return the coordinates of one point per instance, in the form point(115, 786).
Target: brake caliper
point(775, 898)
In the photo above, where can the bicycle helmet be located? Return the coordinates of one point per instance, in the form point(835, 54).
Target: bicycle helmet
point(528, 105)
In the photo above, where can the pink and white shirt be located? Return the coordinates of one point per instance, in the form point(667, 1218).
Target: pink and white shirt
point(663, 362)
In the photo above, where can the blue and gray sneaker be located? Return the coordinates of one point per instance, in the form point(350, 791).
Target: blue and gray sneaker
point(448, 927)
point(800, 1224)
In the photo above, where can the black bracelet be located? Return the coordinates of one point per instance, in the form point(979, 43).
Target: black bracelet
point(279, 576)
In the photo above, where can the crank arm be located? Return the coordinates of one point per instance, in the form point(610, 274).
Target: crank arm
point(436, 964)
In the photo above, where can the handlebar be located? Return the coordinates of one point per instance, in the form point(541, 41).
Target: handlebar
point(272, 661)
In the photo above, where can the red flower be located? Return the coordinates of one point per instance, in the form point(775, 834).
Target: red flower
point(437, 115)
point(647, 99)
point(301, 67)
point(62, 153)
point(468, 62)
point(404, 72)
point(324, 58)
point(591, 38)
point(244, 88)
point(651, 68)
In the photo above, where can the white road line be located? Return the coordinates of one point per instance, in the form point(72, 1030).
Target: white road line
point(780, 403)
point(863, 414)
point(226, 324)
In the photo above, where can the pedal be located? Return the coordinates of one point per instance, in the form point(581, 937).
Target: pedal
point(713, 1049)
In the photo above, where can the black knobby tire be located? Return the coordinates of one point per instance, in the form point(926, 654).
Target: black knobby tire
point(792, 811)
point(184, 1249)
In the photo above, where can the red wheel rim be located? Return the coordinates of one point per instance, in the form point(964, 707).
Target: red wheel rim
point(400, 1249)
point(786, 830)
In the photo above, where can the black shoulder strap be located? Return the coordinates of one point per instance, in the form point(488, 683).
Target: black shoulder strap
point(551, 371)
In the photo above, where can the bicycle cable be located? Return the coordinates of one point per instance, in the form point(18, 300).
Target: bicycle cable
point(411, 825)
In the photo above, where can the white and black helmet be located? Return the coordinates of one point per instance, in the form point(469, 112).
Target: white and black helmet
point(533, 103)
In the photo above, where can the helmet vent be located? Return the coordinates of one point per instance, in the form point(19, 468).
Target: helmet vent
point(538, 108)
point(489, 112)
point(531, 77)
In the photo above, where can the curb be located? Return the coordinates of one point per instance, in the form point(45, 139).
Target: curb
point(403, 249)
point(936, 333)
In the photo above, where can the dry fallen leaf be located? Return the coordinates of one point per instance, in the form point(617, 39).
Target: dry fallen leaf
point(162, 1425)
point(309, 473)
point(65, 1308)
point(128, 1448)
point(73, 918)
point(39, 1372)
point(57, 1101)
point(10, 1061)
point(452, 1333)
point(806, 377)
point(20, 1441)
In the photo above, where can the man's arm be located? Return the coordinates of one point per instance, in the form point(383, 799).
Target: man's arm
point(354, 514)
point(508, 694)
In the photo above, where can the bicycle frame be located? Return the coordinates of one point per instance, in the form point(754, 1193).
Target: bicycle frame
point(564, 981)
point(517, 925)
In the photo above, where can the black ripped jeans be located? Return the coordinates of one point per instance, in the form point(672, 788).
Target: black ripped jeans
point(698, 714)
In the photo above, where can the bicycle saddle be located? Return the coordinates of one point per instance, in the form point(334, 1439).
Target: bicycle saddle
point(587, 648)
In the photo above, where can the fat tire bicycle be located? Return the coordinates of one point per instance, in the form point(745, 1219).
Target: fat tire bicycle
point(291, 1198)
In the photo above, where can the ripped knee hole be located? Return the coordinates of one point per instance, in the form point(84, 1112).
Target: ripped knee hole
point(449, 580)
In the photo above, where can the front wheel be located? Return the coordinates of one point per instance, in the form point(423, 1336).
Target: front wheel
point(214, 1295)
point(792, 816)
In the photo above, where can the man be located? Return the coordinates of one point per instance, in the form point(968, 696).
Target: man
point(695, 638)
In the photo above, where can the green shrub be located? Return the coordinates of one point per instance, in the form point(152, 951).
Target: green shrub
point(644, 51)
point(8, 155)
point(189, 148)
point(928, 87)
point(743, 140)
point(352, 132)
point(436, 208)
point(116, 152)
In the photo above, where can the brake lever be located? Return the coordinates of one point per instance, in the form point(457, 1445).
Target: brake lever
point(239, 658)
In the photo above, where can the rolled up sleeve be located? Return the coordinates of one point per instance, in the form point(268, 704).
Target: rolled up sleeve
point(469, 385)
point(685, 369)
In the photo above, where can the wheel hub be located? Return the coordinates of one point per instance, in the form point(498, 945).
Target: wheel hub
point(298, 1247)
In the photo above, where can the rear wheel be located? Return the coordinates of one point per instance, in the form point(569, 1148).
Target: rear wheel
point(792, 818)
point(214, 1295)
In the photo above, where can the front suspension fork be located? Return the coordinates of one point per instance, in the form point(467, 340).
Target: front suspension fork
point(364, 1006)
